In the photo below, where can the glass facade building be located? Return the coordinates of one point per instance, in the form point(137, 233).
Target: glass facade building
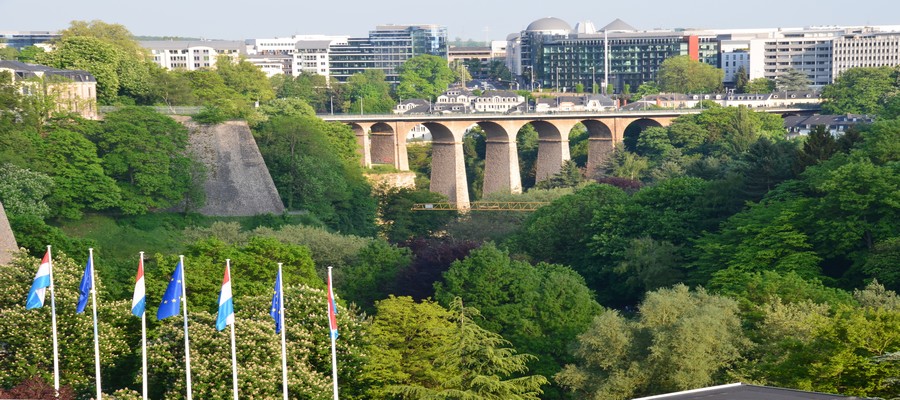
point(387, 48)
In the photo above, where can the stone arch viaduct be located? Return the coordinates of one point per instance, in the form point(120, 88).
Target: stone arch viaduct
point(382, 140)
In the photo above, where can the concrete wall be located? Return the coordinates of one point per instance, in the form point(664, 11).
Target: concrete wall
point(7, 241)
point(237, 180)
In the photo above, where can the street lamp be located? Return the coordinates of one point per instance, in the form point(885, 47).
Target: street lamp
point(361, 105)
point(332, 104)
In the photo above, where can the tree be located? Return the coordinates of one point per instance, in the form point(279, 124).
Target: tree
point(368, 92)
point(309, 87)
point(26, 336)
point(373, 276)
point(257, 345)
point(400, 223)
point(246, 79)
point(539, 308)
point(646, 89)
point(760, 85)
point(22, 191)
point(146, 152)
point(859, 91)
point(9, 53)
point(819, 146)
point(569, 175)
point(681, 74)
point(30, 54)
point(474, 363)
point(424, 76)
point(315, 167)
point(792, 80)
point(94, 55)
point(741, 80)
point(679, 340)
point(78, 178)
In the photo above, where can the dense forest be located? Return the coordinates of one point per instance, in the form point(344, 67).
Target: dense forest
point(710, 251)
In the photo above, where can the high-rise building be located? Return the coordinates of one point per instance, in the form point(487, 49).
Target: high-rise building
point(865, 49)
point(552, 55)
point(386, 49)
point(22, 39)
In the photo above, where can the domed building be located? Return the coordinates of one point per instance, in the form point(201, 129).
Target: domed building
point(527, 45)
point(550, 25)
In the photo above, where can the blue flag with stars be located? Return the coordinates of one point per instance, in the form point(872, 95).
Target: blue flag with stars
point(172, 299)
point(275, 312)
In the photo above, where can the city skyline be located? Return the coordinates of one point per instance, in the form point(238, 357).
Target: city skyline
point(465, 19)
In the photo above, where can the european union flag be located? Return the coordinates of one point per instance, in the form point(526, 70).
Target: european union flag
point(87, 283)
point(172, 299)
point(276, 310)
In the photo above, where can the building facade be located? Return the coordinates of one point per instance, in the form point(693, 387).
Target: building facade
point(386, 49)
point(22, 39)
point(72, 90)
point(191, 55)
point(864, 49)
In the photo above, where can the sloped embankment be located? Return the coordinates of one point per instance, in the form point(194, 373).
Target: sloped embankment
point(7, 240)
point(237, 180)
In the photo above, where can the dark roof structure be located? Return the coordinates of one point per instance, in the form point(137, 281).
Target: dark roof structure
point(549, 24)
point(742, 391)
point(26, 71)
point(618, 26)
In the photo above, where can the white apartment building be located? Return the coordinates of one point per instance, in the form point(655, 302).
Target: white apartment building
point(314, 56)
point(865, 49)
point(192, 55)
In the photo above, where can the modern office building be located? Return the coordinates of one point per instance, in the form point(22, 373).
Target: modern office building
point(551, 55)
point(865, 49)
point(192, 55)
point(386, 49)
point(22, 39)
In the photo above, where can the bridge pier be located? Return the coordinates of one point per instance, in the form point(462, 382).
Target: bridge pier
point(448, 167)
point(501, 160)
point(361, 130)
point(553, 146)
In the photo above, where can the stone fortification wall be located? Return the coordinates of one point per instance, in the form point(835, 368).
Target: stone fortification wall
point(237, 180)
point(7, 241)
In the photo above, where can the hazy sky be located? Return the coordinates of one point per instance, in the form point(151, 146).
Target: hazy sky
point(475, 19)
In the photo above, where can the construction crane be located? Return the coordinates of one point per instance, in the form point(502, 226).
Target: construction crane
point(482, 206)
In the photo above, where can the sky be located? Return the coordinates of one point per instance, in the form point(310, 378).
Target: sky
point(466, 19)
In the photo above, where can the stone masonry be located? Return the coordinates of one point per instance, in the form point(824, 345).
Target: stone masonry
point(237, 180)
point(8, 244)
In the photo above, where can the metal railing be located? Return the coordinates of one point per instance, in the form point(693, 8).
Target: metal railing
point(482, 206)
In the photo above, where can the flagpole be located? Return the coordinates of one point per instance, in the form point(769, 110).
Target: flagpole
point(187, 348)
point(96, 334)
point(144, 342)
point(334, 375)
point(53, 319)
point(234, 378)
point(284, 381)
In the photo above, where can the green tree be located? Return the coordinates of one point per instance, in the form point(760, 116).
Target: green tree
point(679, 340)
point(246, 79)
point(860, 91)
point(9, 53)
point(374, 274)
point(368, 93)
point(26, 335)
point(400, 223)
point(146, 152)
point(257, 345)
point(760, 85)
point(171, 88)
point(479, 365)
point(79, 180)
point(647, 89)
point(23, 191)
point(538, 308)
point(424, 76)
point(94, 55)
point(741, 80)
point(315, 167)
point(30, 54)
point(819, 146)
point(681, 74)
point(309, 87)
point(792, 80)
point(569, 175)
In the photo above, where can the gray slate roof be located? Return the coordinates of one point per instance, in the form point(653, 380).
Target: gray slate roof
point(618, 25)
point(25, 71)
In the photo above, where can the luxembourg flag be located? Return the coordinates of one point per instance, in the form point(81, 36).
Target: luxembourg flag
point(332, 309)
point(40, 284)
point(140, 298)
point(225, 316)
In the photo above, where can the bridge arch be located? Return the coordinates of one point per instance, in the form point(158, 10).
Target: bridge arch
point(383, 141)
point(553, 146)
point(633, 131)
point(361, 131)
point(600, 144)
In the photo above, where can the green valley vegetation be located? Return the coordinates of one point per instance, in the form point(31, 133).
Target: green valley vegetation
point(713, 250)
